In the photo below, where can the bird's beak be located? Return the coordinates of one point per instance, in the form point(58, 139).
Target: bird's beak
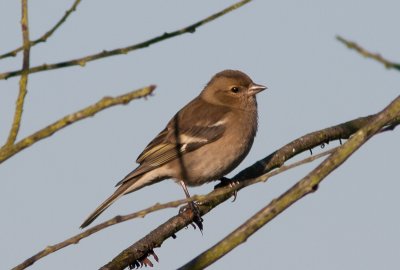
point(256, 88)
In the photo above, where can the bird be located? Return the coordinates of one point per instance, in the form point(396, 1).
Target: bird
point(204, 141)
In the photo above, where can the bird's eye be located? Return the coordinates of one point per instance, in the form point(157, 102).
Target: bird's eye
point(235, 89)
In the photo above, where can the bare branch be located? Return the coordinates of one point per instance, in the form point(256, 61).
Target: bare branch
point(8, 151)
point(142, 213)
point(376, 56)
point(46, 35)
point(76, 238)
point(24, 77)
point(302, 188)
point(83, 60)
point(261, 170)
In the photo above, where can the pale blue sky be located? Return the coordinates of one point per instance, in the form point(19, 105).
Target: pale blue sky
point(313, 81)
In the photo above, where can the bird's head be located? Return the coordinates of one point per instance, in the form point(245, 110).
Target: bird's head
point(232, 88)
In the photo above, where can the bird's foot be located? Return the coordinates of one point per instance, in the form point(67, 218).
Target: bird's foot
point(228, 182)
point(144, 261)
point(197, 219)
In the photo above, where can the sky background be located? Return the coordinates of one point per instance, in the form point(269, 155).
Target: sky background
point(313, 81)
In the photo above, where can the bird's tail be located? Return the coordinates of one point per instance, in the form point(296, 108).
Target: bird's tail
point(117, 194)
point(130, 183)
point(134, 183)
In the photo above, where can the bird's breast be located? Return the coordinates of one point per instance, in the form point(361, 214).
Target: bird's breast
point(216, 159)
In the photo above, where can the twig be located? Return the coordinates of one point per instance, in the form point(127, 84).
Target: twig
point(76, 238)
point(82, 61)
point(264, 177)
point(304, 187)
point(168, 229)
point(46, 35)
point(217, 196)
point(142, 213)
point(24, 77)
point(376, 56)
point(9, 150)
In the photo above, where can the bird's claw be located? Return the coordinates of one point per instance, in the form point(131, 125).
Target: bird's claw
point(197, 219)
point(228, 182)
point(144, 261)
point(232, 184)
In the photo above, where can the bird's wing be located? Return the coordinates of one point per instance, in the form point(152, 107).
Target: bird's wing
point(187, 131)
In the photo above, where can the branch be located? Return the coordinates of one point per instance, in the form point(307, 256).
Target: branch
point(142, 213)
point(376, 56)
point(24, 77)
point(221, 194)
point(304, 187)
point(139, 251)
point(82, 61)
point(46, 35)
point(8, 151)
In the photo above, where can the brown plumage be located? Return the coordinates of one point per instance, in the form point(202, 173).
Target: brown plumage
point(205, 140)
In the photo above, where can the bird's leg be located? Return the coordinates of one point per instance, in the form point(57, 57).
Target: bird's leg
point(228, 182)
point(192, 205)
point(185, 189)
